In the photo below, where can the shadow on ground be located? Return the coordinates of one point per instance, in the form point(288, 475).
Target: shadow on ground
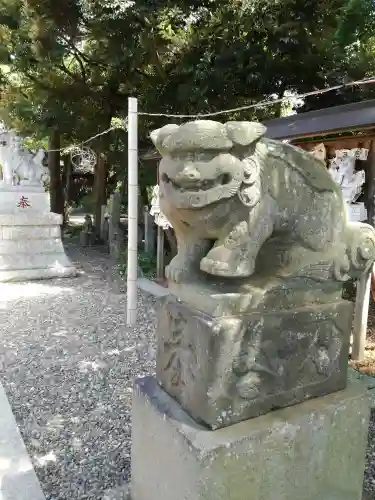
point(67, 364)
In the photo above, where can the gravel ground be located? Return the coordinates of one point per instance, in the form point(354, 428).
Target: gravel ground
point(369, 484)
point(68, 362)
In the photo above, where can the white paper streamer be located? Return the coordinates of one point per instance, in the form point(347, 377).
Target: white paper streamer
point(159, 217)
point(342, 170)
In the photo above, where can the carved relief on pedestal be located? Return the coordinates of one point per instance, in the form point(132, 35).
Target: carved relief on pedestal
point(181, 361)
point(225, 369)
point(263, 365)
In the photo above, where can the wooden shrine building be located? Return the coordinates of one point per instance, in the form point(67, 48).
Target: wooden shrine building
point(340, 127)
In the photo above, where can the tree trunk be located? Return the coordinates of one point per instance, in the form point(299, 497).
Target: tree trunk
point(55, 184)
point(143, 195)
point(68, 177)
point(141, 205)
point(99, 189)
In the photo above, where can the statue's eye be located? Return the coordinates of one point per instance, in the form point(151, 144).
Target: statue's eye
point(199, 157)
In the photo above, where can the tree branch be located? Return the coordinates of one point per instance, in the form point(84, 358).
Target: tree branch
point(81, 65)
point(11, 85)
point(142, 73)
point(76, 52)
point(67, 71)
point(38, 82)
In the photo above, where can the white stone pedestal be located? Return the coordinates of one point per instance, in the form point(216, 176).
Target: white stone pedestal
point(311, 451)
point(30, 237)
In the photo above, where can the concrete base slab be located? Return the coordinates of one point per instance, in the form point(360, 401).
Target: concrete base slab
point(297, 453)
point(18, 275)
point(367, 380)
point(152, 288)
point(18, 480)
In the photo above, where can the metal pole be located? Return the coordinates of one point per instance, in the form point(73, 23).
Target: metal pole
point(361, 316)
point(160, 254)
point(131, 316)
point(146, 224)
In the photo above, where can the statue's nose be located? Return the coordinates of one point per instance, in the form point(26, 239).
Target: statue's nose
point(191, 173)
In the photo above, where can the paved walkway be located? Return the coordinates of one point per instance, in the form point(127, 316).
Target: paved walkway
point(68, 361)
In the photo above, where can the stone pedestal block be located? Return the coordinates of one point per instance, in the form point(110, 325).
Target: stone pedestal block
point(312, 451)
point(224, 369)
point(31, 247)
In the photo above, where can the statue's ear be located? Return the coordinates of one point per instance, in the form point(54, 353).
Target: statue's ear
point(245, 133)
point(159, 135)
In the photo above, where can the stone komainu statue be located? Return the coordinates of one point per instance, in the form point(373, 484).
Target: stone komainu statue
point(242, 205)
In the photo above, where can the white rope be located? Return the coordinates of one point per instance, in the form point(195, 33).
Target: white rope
point(123, 123)
point(68, 149)
point(266, 103)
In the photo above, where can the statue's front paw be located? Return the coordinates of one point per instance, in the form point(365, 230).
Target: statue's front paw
point(214, 267)
point(176, 271)
point(221, 261)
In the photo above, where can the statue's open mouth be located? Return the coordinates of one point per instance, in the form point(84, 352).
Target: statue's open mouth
point(185, 191)
point(186, 184)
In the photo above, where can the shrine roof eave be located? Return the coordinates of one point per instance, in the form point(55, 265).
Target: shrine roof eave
point(352, 117)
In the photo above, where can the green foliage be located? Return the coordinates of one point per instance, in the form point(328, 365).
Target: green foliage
point(237, 53)
point(86, 203)
point(356, 22)
point(72, 65)
point(146, 264)
point(34, 144)
point(73, 230)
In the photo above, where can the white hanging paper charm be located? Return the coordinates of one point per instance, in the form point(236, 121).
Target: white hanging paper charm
point(360, 153)
point(342, 170)
point(155, 211)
